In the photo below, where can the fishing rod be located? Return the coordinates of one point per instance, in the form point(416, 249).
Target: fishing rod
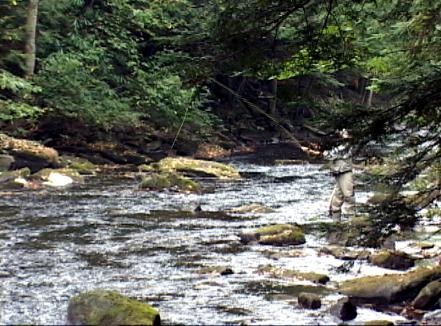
point(254, 106)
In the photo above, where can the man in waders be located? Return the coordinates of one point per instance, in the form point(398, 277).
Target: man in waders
point(341, 169)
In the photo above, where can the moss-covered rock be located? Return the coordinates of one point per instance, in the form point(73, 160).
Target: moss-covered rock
point(391, 287)
point(309, 300)
point(108, 308)
point(278, 235)
point(379, 323)
point(293, 274)
point(169, 180)
point(428, 296)
point(29, 153)
point(79, 164)
point(392, 259)
point(15, 178)
point(197, 167)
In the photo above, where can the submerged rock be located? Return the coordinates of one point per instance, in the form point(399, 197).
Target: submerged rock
point(216, 270)
point(345, 253)
point(309, 300)
point(168, 180)
point(392, 260)
point(428, 296)
point(293, 274)
point(28, 153)
point(108, 308)
point(389, 288)
point(251, 208)
point(344, 309)
point(197, 167)
point(276, 235)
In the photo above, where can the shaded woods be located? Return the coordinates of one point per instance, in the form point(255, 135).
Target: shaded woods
point(90, 87)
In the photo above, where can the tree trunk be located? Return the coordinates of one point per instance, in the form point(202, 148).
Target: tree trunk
point(273, 100)
point(31, 29)
point(371, 94)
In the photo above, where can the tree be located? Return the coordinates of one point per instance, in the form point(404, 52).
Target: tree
point(31, 30)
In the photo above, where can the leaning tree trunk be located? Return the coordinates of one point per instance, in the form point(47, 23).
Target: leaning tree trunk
point(31, 29)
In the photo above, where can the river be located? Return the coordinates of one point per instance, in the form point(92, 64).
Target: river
point(57, 243)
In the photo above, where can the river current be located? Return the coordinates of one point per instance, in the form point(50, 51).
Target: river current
point(57, 243)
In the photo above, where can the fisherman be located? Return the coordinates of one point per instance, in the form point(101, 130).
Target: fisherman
point(341, 169)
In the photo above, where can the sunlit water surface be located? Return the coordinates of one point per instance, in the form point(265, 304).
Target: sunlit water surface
point(55, 244)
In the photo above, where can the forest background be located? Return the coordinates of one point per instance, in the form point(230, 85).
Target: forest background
point(75, 72)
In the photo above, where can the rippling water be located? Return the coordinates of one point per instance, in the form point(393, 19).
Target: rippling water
point(55, 244)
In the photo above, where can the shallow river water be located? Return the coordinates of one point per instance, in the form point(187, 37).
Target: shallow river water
point(57, 243)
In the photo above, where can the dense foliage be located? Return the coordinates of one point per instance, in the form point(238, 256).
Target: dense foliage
point(116, 63)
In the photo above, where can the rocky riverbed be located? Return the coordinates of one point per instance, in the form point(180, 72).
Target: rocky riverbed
point(184, 252)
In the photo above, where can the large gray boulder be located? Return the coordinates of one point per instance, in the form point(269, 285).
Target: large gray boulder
point(109, 308)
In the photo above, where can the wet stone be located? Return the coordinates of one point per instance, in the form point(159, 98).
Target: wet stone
point(392, 260)
point(103, 307)
point(428, 296)
point(216, 270)
point(309, 300)
point(276, 235)
point(344, 309)
point(293, 274)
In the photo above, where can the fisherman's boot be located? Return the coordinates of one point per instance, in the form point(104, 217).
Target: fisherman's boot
point(335, 215)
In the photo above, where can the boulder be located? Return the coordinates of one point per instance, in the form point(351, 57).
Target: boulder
point(432, 318)
point(392, 260)
point(29, 153)
point(428, 296)
point(6, 162)
point(276, 235)
point(169, 180)
point(79, 164)
point(344, 309)
point(197, 168)
point(309, 300)
point(293, 274)
point(108, 308)
point(389, 288)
